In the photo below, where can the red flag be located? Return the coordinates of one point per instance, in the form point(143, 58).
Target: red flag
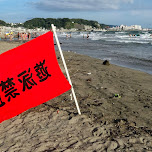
point(29, 76)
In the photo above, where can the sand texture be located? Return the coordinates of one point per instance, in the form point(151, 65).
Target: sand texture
point(107, 123)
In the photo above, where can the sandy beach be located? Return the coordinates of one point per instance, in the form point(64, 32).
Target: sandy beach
point(108, 123)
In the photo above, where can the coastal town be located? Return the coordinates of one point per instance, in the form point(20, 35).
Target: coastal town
point(128, 28)
point(22, 33)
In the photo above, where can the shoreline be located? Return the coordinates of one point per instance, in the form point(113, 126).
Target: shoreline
point(107, 123)
point(20, 42)
point(119, 48)
point(119, 65)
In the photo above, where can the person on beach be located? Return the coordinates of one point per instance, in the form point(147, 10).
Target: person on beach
point(11, 37)
point(5, 36)
point(87, 36)
point(21, 36)
point(33, 35)
point(67, 36)
point(18, 35)
point(29, 36)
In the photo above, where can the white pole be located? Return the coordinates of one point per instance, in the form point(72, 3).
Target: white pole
point(63, 60)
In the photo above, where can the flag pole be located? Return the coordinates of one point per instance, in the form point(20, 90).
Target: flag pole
point(63, 60)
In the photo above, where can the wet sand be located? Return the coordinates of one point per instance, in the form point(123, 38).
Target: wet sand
point(107, 123)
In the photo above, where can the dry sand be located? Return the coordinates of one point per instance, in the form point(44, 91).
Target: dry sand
point(107, 123)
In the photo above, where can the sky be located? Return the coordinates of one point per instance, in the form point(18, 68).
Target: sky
point(111, 12)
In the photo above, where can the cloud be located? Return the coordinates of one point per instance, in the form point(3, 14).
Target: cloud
point(141, 13)
point(81, 5)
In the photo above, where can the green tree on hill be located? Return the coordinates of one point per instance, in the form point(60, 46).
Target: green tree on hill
point(2, 23)
point(86, 22)
point(36, 22)
point(59, 22)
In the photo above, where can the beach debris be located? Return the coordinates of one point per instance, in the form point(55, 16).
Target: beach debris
point(57, 111)
point(106, 62)
point(56, 44)
point(89, 73)
point(71, 96)
point(89, 80)
point(117, 95)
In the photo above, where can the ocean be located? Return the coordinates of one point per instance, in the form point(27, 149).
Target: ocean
point(127, 49)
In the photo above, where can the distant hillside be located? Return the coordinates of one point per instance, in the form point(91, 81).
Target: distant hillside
point(60, 22)
point(65, 23)
point(2, 23)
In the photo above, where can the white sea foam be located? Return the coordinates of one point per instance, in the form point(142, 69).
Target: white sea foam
point(122, 37)
point(118, 47)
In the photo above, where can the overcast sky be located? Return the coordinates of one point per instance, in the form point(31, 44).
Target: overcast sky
point(113, 12)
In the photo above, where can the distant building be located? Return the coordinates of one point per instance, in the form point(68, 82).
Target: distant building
point(138, 27)
point(126, 28)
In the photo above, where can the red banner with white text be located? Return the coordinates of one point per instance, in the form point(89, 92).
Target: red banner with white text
point(29, 76)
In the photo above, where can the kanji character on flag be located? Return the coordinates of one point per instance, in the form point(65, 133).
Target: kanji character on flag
point(29, 76)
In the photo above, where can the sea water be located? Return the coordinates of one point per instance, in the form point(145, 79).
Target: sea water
point(127, 49)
